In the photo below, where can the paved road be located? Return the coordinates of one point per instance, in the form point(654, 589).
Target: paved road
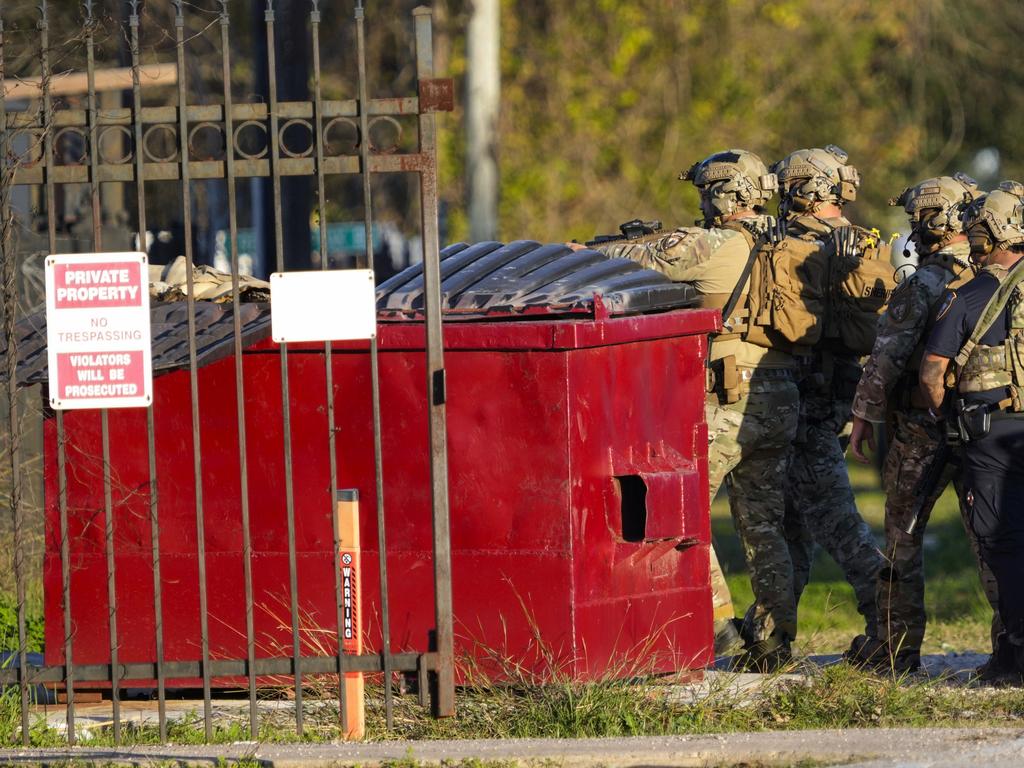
point(873, 748)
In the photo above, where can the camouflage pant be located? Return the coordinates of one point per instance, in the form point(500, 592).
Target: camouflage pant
point(900, 589)
point(749, 447)
point(821, 509)
point(721, 597)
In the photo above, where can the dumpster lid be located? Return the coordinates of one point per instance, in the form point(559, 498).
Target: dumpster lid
point(490, 279)
point(169, 328)
point(483, 281)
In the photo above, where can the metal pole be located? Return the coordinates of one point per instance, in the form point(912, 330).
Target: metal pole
point(321, 198)
point(378, 453)
point(154, 499)
point(483, 100)
point(62, 476)
point(108, 507)
point(444, 703)
point(275, 168)
point(10, 312)
point(197, 463)
point(229, 160)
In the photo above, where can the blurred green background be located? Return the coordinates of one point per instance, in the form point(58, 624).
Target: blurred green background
point(604, 102)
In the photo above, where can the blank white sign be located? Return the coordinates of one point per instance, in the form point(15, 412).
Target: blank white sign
point(329, 305)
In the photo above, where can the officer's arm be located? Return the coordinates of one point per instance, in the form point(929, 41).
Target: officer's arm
point(644, 252)
point(680, 255)
point(933, 379)
point(900, 331)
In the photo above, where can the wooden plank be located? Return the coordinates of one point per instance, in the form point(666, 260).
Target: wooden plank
point(76, 83)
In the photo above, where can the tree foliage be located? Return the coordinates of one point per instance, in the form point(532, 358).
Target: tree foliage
point(603, 102)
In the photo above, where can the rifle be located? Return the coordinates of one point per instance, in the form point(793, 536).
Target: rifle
point(633, 229)
point(931, 478)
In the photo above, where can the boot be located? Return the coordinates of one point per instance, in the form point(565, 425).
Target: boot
point(866, 651)
point(999, 665)
point(727, 638)
point(765, 656)
point(876, 655)
point(903, 663)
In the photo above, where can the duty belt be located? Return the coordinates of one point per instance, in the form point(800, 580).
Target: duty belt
point(731, 382)
point(760, 374)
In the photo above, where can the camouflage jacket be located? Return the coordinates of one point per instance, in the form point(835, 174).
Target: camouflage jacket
point(903, 330)
point(712, 260)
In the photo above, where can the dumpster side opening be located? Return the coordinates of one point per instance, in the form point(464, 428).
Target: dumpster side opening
point(633, 497)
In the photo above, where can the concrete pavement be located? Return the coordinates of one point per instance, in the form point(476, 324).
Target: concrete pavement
point(865, 748)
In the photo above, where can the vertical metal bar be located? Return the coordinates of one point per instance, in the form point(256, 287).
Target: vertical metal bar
point(321, 197)
point(275, 167)
point(197, 464)
point(94, 181)
point(444, 704)
point(108, 531)
point(229, 159)
point(62, 475)
point(158, 608)
point(97, 246)
point(364, 152)
point(154, 517)
point(10, 317)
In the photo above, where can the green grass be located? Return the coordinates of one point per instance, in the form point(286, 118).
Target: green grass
point(836, 696)
point(9, 625)
point(958, 614)
point(832, 697)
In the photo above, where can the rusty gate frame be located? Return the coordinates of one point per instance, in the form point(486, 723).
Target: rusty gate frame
point(433, 667)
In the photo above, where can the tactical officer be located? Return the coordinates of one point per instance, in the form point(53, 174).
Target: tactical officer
point(919, 464)
point(980, 328)
point(752, 400)
point(815, 184)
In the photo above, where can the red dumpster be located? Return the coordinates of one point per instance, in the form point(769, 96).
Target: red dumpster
point(578, 479)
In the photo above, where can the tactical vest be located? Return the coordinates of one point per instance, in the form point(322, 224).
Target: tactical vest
point(860, 284)
point(734, 326)
point(801, 291)
point(787, 299)
point(980, 367)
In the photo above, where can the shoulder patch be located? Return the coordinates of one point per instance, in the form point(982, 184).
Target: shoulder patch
point(946, 305)
point(899, 304)
point(670, 241)
point(683, 245)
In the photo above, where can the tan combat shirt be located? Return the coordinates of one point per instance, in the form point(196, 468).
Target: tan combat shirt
point(712, 261)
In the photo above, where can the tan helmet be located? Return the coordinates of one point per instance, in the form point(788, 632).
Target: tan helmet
point(808, 177)
point(730, 181)
point(936, 207)
point(996, 220)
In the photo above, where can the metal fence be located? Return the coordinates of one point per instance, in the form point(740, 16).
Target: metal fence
point(159, 144)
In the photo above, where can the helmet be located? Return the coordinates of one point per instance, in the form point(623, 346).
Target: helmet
point(996, 219)
point(935, 207)
point(729, 181)
point(811, 176)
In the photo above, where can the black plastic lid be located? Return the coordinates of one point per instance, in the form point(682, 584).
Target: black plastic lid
point(524, 277)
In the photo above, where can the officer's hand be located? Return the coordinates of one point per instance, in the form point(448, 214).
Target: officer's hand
point(862, 430)
point(576, 246)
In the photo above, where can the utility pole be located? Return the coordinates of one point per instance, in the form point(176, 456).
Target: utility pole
point(483, 96)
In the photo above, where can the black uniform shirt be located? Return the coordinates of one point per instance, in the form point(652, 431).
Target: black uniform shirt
point(955, 322)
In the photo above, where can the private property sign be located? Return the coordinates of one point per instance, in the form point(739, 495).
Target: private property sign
point(97, 327)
